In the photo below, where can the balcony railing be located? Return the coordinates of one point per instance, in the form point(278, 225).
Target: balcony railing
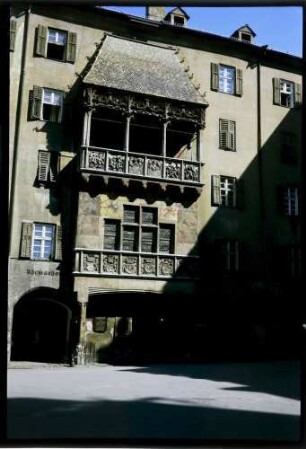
point(110, 162)
point(135, 264)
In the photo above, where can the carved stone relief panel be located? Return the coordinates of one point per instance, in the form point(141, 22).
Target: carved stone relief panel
point(191, 172)
point(96, 160)
point(91, 263)
point(129, 264)
point(116, 163)
point(173, 170)
point(148, 265)
point(154, 168)
point(166, 266)
point(110, 263)
point(136, 165)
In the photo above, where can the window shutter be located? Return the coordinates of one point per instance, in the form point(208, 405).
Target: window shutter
point(216, 194)
point(111, 235)
point(239, 84)
point(44, 158)
point(214, 76)
point(276, 91)
point(166, 239)
point(41, 41)
point(26, 239)
point(130, 239)
point(36, 102)
point(223, 133)
point(71, 47)
point(298, 94)
point(148, 240)
point(13, 28)
point(240, 193)
point(58, 243)
point(231, 144)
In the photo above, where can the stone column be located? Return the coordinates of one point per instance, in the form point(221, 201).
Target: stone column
point(80, 349)
point(198, 151)
point(127, 140)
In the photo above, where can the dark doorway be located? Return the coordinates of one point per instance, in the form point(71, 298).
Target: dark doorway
point(41, 330)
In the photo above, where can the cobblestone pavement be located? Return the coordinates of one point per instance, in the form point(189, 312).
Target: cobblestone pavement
point(232, 401)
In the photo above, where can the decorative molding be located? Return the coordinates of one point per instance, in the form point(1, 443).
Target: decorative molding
point(110, 263)
point(91, 262)
point(129, 264)
point(148, 265)
point(166, 266)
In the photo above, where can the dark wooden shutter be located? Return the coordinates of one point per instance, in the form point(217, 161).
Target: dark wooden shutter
point(239, 83)
point(215, 190)
point(298, 94)
point(148, 240)
point(149, 216)
point(58, 254)
point(13, 29)
point(276, 91)
point(240, 195)
point(214, 76)
point(111, 234)
point(131, 214)
point(43, 171)
point(54, 162)
point(166, 239)
point(223, 132)
point(26, 239)
point(36, 102)
point(130, 239)
point(71, 47)
point(41, 41)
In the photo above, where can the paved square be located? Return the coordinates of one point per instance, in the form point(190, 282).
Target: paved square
point(252, 401)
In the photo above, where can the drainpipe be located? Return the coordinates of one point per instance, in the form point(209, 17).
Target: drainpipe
point(17, 123)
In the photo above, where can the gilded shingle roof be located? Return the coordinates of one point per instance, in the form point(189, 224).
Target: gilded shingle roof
point(142, 68)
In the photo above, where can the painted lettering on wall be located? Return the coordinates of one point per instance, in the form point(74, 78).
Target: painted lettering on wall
point(42, 273)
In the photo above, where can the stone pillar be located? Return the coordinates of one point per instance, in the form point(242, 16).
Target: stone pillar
point(80, 349)
point(198, 152)
point(127, 133)
point(164, 141)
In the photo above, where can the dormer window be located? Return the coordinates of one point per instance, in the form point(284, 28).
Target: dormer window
point(246, 37)
point(179, 20)
point(244, 34)
point(177, 16)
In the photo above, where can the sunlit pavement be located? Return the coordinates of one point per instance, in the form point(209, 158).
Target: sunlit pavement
point(249, 401)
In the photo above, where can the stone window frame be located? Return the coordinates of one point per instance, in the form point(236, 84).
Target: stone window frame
point(139, 226)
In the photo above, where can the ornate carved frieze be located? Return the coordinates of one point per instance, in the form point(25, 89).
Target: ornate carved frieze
point(91, 263)
point(129, 103)
point(166, 266)
point(136, 165)
point(96, 159)
point(173, 170)
point(116, 163)
point(191, 172)
point(148, 265)
point(154, 167)
point(110, 263)
point(129, 264)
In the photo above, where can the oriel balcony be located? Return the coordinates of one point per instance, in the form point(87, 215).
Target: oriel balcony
point(141, 139)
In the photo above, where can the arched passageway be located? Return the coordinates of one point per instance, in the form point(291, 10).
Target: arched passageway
point(41, 329)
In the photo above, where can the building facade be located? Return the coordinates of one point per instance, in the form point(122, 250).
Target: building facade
point(154, 179)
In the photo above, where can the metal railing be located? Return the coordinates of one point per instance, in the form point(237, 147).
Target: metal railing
point(107, 161)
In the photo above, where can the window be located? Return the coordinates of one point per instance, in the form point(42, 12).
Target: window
point(227, 135)
point(226, 79)
point(246, 37)
point(289, 200)
point(228, 254)
point(288, 261)
point(139, 231)
point(288, 154)
point(40, 241)
point(227, 191)
point(47, 170)
point(46, 104)
point(55, 44)
point(286, 93)
point(178, 20)
point(13, 29)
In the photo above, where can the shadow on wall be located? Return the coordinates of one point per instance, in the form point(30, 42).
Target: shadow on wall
point(260, 287)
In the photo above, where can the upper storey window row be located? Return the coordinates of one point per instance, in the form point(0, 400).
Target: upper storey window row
point(55, 44)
